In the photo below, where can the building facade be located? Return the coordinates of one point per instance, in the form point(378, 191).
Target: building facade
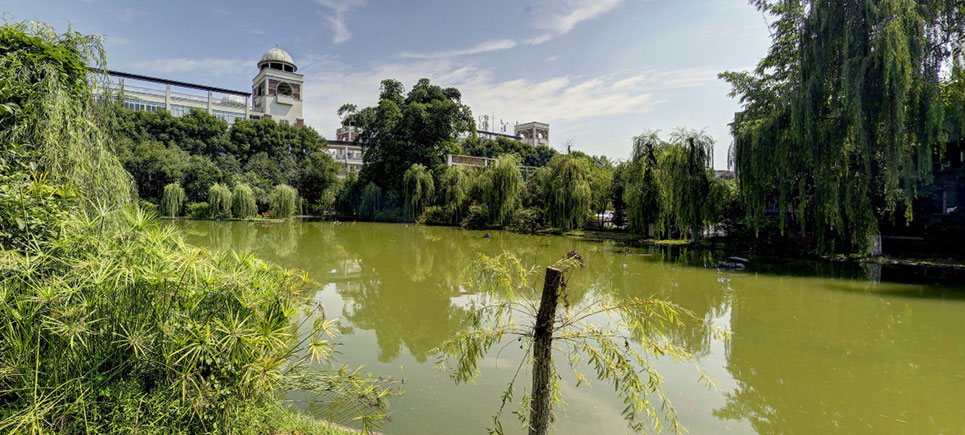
point(276, 93)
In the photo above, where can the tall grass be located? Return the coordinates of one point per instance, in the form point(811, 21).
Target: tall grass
point(110, 323)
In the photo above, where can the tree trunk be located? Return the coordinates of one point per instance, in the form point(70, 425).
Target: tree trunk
point(539, 416)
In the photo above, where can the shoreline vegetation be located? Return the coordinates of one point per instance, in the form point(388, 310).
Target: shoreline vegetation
point(109, 321)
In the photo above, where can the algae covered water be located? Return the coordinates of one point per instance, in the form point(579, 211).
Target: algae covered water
point(814, 347)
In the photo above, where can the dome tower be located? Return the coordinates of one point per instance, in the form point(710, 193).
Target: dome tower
point(276, 90)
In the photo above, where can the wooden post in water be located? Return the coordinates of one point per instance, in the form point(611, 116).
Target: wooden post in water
point(539, 417)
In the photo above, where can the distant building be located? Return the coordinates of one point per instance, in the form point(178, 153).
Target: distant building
point(276, 93)
point(347, 155)
point(277, 89)
point(534, 133)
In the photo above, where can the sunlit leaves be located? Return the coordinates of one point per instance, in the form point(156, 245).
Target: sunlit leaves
point(617, 340)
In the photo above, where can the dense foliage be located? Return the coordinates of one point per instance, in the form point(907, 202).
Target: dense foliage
point(198, 150)
point(529, 155)
point(667, 185)
point(421, 127)
point(500, 189)
point(283, 201)
point(567, 196)
point(172, 201)
point(419, 190)
point(110, 323)
point(243, 203)
point(841, 118)
point(219, 201)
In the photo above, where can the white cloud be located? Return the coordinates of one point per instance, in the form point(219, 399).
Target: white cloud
point(568, 14)
point(336, 19)
point(482, 47)
point(563, 100)
point(554, 19)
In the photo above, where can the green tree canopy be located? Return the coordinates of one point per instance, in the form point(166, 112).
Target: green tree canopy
point(401, 130)
point(840, 119)
point(529, 155)
point(567, 194)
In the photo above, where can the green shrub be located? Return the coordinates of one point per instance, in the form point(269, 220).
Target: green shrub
point(147, 206)
point(172, 200)
point(283, 201)
point(390, 215)
point(477, 218)
point(197, 210)
point(527, 220)
point(243, 203)
point(219, 201)
point(435, 215)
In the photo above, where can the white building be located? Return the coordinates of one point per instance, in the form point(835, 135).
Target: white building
point(277, 89)
point(276, 93)
point(534, 133)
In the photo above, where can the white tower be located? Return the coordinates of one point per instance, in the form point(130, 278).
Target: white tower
point(534, 133)
point(277, 90)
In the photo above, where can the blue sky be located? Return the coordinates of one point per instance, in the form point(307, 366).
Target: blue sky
point(599, 71)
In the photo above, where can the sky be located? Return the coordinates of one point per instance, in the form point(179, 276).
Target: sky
point(598, 71)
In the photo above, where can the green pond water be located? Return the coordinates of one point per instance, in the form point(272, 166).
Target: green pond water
point(814, 347)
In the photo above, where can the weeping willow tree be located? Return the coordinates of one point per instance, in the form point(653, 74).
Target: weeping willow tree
point(111, 323)
point(172, 201)
point(841, 118)
point(567, 197)
point(419, 189)
point(243, 204)
point(283, 201)
point(668, 186)
point(453, 192)
point(219, 201)
point(953, 91)
point(683, 183)
point(49, 118)
point(501, 189)
point(641, 192)
point(371, 201)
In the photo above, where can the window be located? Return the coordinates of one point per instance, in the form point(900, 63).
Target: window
point(285, 89)
point(179, 110)
point(142, 106)
point(229, 117)
point(283, 121)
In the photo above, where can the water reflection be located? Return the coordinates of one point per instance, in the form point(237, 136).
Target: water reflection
point(807, 353)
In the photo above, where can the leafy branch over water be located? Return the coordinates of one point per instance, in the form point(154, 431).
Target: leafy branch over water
point(617, 340)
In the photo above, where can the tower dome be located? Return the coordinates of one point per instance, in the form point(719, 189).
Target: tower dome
point(276, 58)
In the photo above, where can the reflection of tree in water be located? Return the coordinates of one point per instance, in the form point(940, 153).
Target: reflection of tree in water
point(405, 285)
point(841, 360)
point(667, 275)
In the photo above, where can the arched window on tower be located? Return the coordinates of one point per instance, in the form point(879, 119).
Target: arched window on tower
point(285, 89)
